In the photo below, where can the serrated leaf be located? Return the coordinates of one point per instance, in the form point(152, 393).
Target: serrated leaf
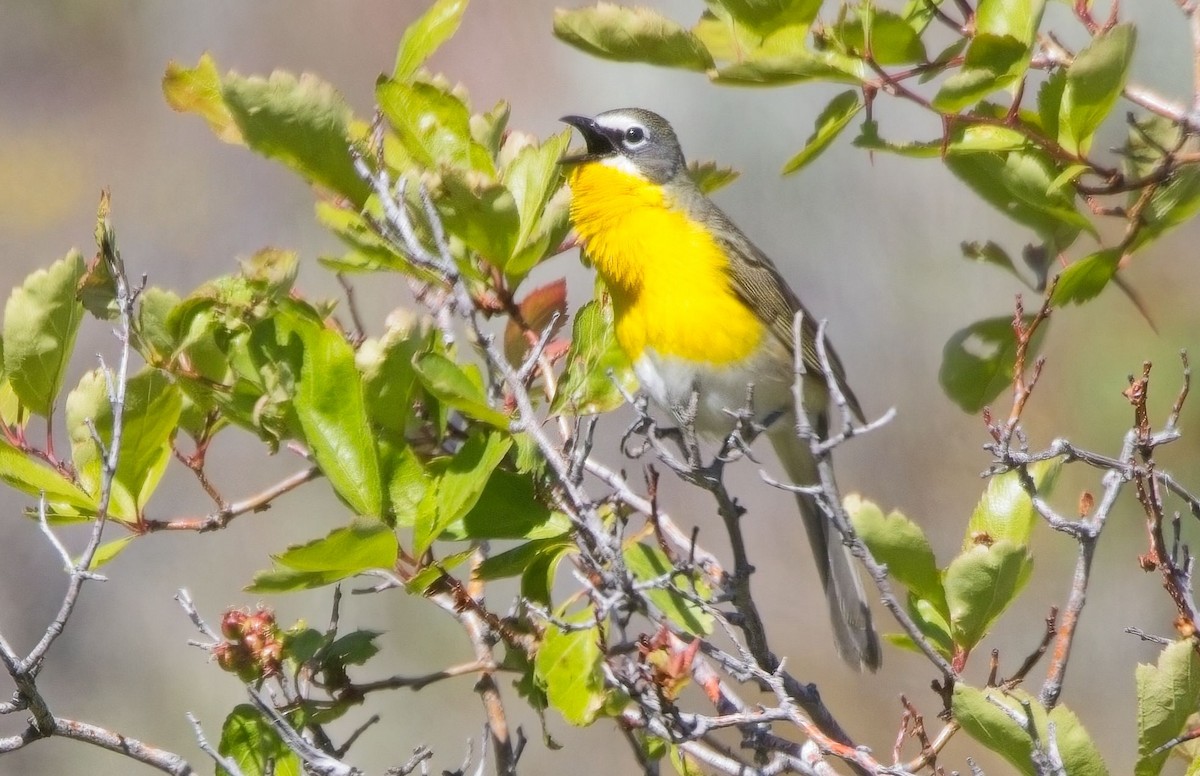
point(983, 720)
point(198, 90)
point(253, 745)
point(567, 668)
point(154, 339)
point(1020, 185)
point(425, 35)
point(980, 584)
point(764, 16)
point(587, 387)
point(709, 176)
point(977, 362)
point(389, 379)
point(362, 545)
point(991, 63)
point(450, 384)
point(893, 40)
point(1094, 82)
point(302, 122)
point(631, 35)
point(433, 125)
point(1085, 278)
point(534, 561)
point(462, 484)
point(355, 648)
point(833, 119)
point(531, 178)
point(901, 545)
point(796, 66)
point(1005, 510)
point(1168, 693)
point(330, 406)
point(649, 563)
point(481, 213)
point(152, 407)
point(41, 319)
point(510, 508)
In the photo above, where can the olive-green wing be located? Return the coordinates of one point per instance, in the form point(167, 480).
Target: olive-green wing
point(756, 280)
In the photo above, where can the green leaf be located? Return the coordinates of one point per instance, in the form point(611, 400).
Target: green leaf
point(462, 484)
point(833, 119)
point(510, 508)
point(388, 377)
point(33, 478)
point(531, 178)
point(869, 139)
point(933, 622)
point(107, 551)
point(650, 563)
point(303, 123)
point(407, 481)
point(567, 668)
point(154, 340)
point(901, 545)
point(425, 35)
point(534, 561)
point(152, 407)
point(1167, 694)
point(1094, 82)
point(355, 648)
point(1020, 184)
point(1005, 511)
point(980, 584)
point(482, 213)
point(587, 387)
point(893, 39)
point(1018, 18)
point(253, 745)
point(450, 384)
point(796, 66)
point(763, 16)
point(631, 35)
point(987, 723)
point(41, 320)
point(198, 90)
point(1049, 101)
point(332, 412)
point(1085, 278)
point(977, 362)
point(433, 125)
point(710, 177)
point(362, 545)
point(990, 253)
point(992, 62)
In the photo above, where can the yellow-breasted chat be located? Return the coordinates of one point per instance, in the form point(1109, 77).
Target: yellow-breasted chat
point(701, 312)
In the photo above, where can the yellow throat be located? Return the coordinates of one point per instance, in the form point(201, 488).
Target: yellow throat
point(668, 277)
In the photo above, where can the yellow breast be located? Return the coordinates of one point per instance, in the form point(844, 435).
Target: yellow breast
point(668, 278)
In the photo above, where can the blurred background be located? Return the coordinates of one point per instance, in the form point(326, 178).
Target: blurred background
point(872, 244)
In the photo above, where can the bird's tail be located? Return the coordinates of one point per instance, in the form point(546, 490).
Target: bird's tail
point(855, 635)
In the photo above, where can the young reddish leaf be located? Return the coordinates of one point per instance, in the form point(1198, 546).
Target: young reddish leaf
point(538, 309)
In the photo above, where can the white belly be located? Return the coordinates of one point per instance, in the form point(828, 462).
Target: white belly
point(670, 383)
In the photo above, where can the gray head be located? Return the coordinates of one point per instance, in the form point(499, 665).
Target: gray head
point(637, 139)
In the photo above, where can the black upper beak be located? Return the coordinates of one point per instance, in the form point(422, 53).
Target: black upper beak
point(599, 144)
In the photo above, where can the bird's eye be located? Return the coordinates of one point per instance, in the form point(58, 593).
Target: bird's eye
point(635, 135)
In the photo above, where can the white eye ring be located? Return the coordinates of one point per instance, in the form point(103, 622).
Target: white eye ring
point(634, 136)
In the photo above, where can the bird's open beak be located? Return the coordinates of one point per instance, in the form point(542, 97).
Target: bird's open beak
point(599, 144)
